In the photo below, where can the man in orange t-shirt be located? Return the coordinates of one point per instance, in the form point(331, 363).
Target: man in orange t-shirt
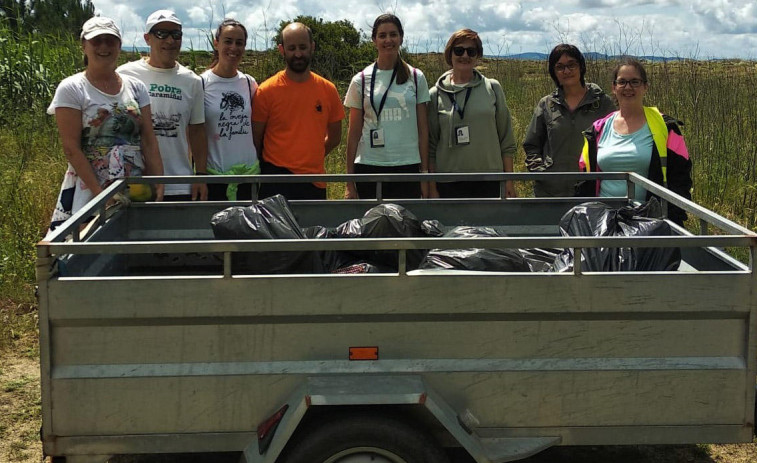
point(296, 118)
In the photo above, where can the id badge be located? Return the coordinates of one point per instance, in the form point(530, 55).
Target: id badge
point(377, 138)
point(462, 135)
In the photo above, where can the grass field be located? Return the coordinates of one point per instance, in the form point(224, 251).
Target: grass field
point(715, 100)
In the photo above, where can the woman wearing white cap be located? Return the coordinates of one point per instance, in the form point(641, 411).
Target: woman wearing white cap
point(104, 123)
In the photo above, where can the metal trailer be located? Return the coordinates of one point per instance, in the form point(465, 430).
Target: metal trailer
point(149, 343)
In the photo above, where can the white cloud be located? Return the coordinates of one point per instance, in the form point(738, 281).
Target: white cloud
point(507, 9)
point(198, 15)
point(132, 25)
point(708, 28)
point(542, 18)
point(726, 16)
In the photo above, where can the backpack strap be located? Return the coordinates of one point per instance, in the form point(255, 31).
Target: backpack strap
point(362, 86)
point(249, 90)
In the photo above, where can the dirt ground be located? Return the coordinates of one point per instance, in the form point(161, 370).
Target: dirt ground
point(20, 420)
point(20, 417)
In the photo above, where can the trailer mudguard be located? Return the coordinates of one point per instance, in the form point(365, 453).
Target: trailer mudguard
point(390, 390)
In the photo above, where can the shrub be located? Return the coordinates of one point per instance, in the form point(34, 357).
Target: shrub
point(340, 49)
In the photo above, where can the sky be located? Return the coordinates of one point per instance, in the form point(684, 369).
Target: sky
point(701, 29)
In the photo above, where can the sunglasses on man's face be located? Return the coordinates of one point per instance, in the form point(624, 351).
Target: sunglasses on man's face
point(164, 33)
point(458, 51)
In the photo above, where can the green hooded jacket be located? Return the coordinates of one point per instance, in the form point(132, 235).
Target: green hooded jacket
point(554, 137)
point(487, 117)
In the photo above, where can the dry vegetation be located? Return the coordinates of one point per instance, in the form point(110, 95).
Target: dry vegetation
point(20, 416)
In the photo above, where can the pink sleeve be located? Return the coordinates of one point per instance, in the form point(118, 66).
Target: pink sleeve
point(676, 144)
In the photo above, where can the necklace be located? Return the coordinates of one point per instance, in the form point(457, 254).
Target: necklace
point(110, 84)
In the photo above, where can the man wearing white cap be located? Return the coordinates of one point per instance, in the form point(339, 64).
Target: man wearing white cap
point(176, 97)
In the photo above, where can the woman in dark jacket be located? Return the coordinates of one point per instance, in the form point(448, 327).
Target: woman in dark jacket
point(554, 135)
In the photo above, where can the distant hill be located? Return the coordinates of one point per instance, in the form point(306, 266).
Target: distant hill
point(601, 56)
point(136, 49)
point(532, 56)
point(591, 56)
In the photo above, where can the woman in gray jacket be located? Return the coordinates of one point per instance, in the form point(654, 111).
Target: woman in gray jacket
point(470, 128)
point(554, 136)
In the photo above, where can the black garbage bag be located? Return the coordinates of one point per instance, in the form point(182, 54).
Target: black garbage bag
point(268, 219)
point(491, 260)
point(540, 259)
point(384, 221)
point(318, 232)
point(598, 219)
point(432, 228)
point(390, 221)
point(352, 228)
point(332, 260)
point(361, 267)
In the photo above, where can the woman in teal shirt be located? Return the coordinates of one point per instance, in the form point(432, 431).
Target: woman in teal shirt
point(388, 128)
point(639, 139)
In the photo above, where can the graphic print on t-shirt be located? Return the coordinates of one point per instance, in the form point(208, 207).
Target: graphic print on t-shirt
point(232, 101)
point(110, 141)
point(106, 127)
point(165, 91)
point(166, 125)
point(234, 119)
point(395, 114)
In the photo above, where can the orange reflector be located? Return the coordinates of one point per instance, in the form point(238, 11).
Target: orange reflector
point(363, 353)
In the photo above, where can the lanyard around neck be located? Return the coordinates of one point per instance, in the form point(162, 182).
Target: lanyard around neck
point(460, 111)
point(383, 99)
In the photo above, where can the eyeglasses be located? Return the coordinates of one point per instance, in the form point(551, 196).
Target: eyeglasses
point(472, 52)
point(634, 83)
point(163, 34)
point(566, 67)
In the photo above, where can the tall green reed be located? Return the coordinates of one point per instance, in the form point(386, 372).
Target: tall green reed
point(30, 68)
point(30, 161)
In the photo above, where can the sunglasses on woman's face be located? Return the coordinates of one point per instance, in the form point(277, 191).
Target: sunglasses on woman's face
point(458, 51)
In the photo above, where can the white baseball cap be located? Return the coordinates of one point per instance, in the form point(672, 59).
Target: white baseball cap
point(161, 16)
point(99, 25)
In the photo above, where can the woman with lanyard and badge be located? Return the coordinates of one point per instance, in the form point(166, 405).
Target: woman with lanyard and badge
point(388, 126)
point(470, 128)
